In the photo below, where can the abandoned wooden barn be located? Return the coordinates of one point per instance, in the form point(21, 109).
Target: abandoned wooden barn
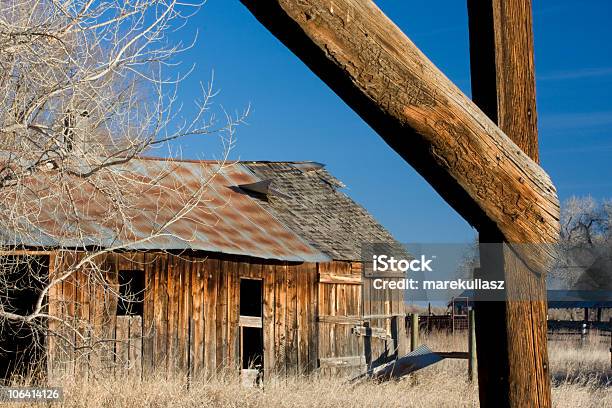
point(267, 274)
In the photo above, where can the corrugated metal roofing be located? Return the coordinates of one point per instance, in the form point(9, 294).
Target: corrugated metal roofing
point(227, 220)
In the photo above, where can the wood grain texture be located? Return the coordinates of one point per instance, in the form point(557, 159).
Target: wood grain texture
point(291, 342)
point(503, 69)
point(54, 309)
point(386, 79)
point(511, 336)
point(221, 318)
point(122, 345)
point(173, 305)
point(268, 318)
point(148, 319)
point(302, 317)
point(280, 312)
point(330, 277)
point(313, 326)
point(160, 345)
point(237, 270)
point(187, 314)
point(135, 349)
point(197, 320)
point(210, 300)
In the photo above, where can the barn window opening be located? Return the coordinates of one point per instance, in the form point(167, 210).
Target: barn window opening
point(251, 325)
point(251, 297)
point(131, 293)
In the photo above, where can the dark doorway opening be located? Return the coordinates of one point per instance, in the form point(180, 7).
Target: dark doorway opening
point(252, 348)
point(22, 345)
point(251, 326)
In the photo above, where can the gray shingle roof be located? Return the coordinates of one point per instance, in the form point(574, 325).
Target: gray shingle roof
point(308, 201)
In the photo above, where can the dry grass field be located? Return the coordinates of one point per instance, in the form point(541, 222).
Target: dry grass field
point(581, 378)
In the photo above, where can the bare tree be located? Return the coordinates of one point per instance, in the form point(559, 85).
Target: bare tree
point(585, 220)
point(586, 237)
point(85, 88)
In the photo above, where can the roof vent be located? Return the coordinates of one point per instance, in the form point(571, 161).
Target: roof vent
point(263, 188)
point(308, 166)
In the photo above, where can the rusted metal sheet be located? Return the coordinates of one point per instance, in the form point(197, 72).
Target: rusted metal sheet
point(415, 360)
point(225, 219)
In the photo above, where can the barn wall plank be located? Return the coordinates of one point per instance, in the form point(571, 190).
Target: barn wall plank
point(84, 326)
point(70, 300)
point(302, 317)
point(148, 319)
point(54, 309)
point(323, 328)
point(186, 313)
point(237, 270)
point(135, 347)
point(180, 293)
point(210, 349)
point(280, 334)
point(197, 318)
point(122, 337)
point(161, 312)
point(269, 281)
point(221, 318)
point(173, 305)
point(291, 348)
point(109, 313)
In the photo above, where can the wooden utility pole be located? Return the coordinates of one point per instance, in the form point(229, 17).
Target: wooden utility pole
point(458, 149)
point(503, 86)
point(503, 71)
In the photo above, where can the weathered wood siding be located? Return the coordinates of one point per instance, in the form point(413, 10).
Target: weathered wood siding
point(359, 327)
point(190, 319)
point(340, 309)
point(315, 316)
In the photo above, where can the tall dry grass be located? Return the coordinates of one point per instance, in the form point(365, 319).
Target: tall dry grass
point(580, 371)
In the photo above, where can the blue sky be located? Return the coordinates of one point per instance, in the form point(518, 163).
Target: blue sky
point(296, 117)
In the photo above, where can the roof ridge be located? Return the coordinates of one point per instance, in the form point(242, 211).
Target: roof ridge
point(174, 159)
point(210, 161)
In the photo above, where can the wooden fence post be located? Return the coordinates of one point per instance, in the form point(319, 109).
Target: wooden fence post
point(414, 332)
point(471, 347)
point(586, 314)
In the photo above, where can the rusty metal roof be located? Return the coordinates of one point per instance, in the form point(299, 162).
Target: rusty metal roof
point(225, 220)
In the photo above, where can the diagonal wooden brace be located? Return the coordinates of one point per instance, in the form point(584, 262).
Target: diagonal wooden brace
point(421, 114)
